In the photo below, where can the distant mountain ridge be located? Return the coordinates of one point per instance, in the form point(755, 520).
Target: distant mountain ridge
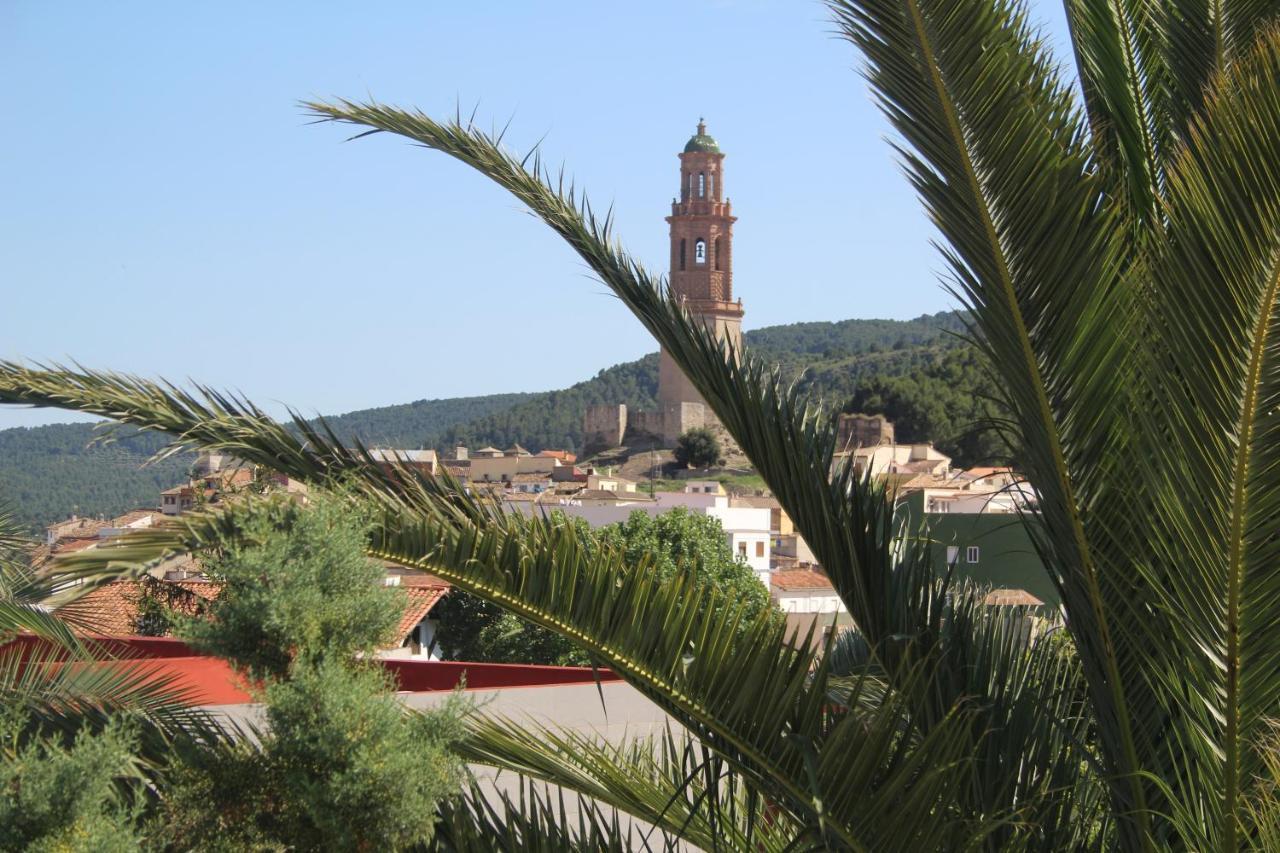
point(49, 472)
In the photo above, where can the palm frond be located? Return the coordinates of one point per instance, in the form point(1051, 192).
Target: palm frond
point(482, 819)
point(669, 782)
point(1215, 500)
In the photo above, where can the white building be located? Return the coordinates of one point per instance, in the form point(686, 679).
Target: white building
point(804, 591)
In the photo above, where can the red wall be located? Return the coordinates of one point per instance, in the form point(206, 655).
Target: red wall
point(211, 681)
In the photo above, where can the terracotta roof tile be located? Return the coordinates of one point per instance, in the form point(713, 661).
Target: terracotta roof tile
point(1011, 598)
point(799, 579)
point(421, 600)
point(113, 608)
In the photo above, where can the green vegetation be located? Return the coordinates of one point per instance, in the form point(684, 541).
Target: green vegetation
point(1116, 240)
point(698, 448)
point(413, 425)
point(342, 763)
point(673, 544)
point(60, 792)
point(944, 395)
point(50, 472)
point(296, 584)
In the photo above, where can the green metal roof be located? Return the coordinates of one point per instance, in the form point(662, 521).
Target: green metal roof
point(701, 141)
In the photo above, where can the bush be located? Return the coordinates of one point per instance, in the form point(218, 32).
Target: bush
point(698, 448)
point(60, 793)
point(342, 764)
point(674, 542)
point(298, 584)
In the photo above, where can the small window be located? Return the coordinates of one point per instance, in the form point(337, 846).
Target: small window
point(682, 252)
point(711, 184)
point(971, 554)
point(700, 252)
point(702, 185)
point(742, 549)
point(759, 549)
point(717, 249)
point(953, 554)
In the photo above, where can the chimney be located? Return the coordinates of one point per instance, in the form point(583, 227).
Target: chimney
point(460, 453)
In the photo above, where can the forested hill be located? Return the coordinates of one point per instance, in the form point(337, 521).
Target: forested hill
point(554, 419)
point(47, 473)
point(913, 370)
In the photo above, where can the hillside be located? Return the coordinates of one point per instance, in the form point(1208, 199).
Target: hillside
point(916, 371)
point(48, 473)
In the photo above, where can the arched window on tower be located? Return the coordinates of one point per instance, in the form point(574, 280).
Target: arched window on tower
point(717, 251)
point(700, 252)
point(711, 185)
point(702, 185)
point(682, 241)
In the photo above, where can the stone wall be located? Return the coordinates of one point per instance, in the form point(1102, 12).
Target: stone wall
point(604, 426)
point(858, 430)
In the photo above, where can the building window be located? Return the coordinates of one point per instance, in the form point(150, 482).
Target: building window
point(971, 554)
point(700, 252)
point(711, 184)
point(717, 252)
point(702, 185)
point(742, 549)
point(682, 252)
point(759, 549)
point(953, 554)
point(689, 191)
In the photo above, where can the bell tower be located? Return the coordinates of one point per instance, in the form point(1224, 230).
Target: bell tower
point(701, 273)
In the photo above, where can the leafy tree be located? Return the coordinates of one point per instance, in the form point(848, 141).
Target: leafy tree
point(342, 765)
point(948, 400)
point(61, 793)
point(296, 582)
point(672, 544)
point(698, 448)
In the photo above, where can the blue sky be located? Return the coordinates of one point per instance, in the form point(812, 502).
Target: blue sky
point(167, 210)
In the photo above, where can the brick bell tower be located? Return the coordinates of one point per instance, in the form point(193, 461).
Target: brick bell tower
point(701, 274)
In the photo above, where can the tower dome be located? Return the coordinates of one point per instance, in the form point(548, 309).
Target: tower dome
point(700, 141)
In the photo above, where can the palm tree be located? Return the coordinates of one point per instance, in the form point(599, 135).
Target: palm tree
point(1116, 241)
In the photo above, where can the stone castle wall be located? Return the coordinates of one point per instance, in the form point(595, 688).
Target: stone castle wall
point(857, 430)
point(605, 425)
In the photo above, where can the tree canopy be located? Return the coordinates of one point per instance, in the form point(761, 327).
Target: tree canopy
point(670, 544)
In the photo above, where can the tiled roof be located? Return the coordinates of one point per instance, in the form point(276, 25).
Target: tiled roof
point(988, 471)
point(1011, 598)
point(70, 546)
point(135, 516)
point(800, 579)
point(421, 600)
point(605, 495)
point(76, 527)
point(113, 608)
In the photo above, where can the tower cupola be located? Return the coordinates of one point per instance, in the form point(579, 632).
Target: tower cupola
point(701, 141)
